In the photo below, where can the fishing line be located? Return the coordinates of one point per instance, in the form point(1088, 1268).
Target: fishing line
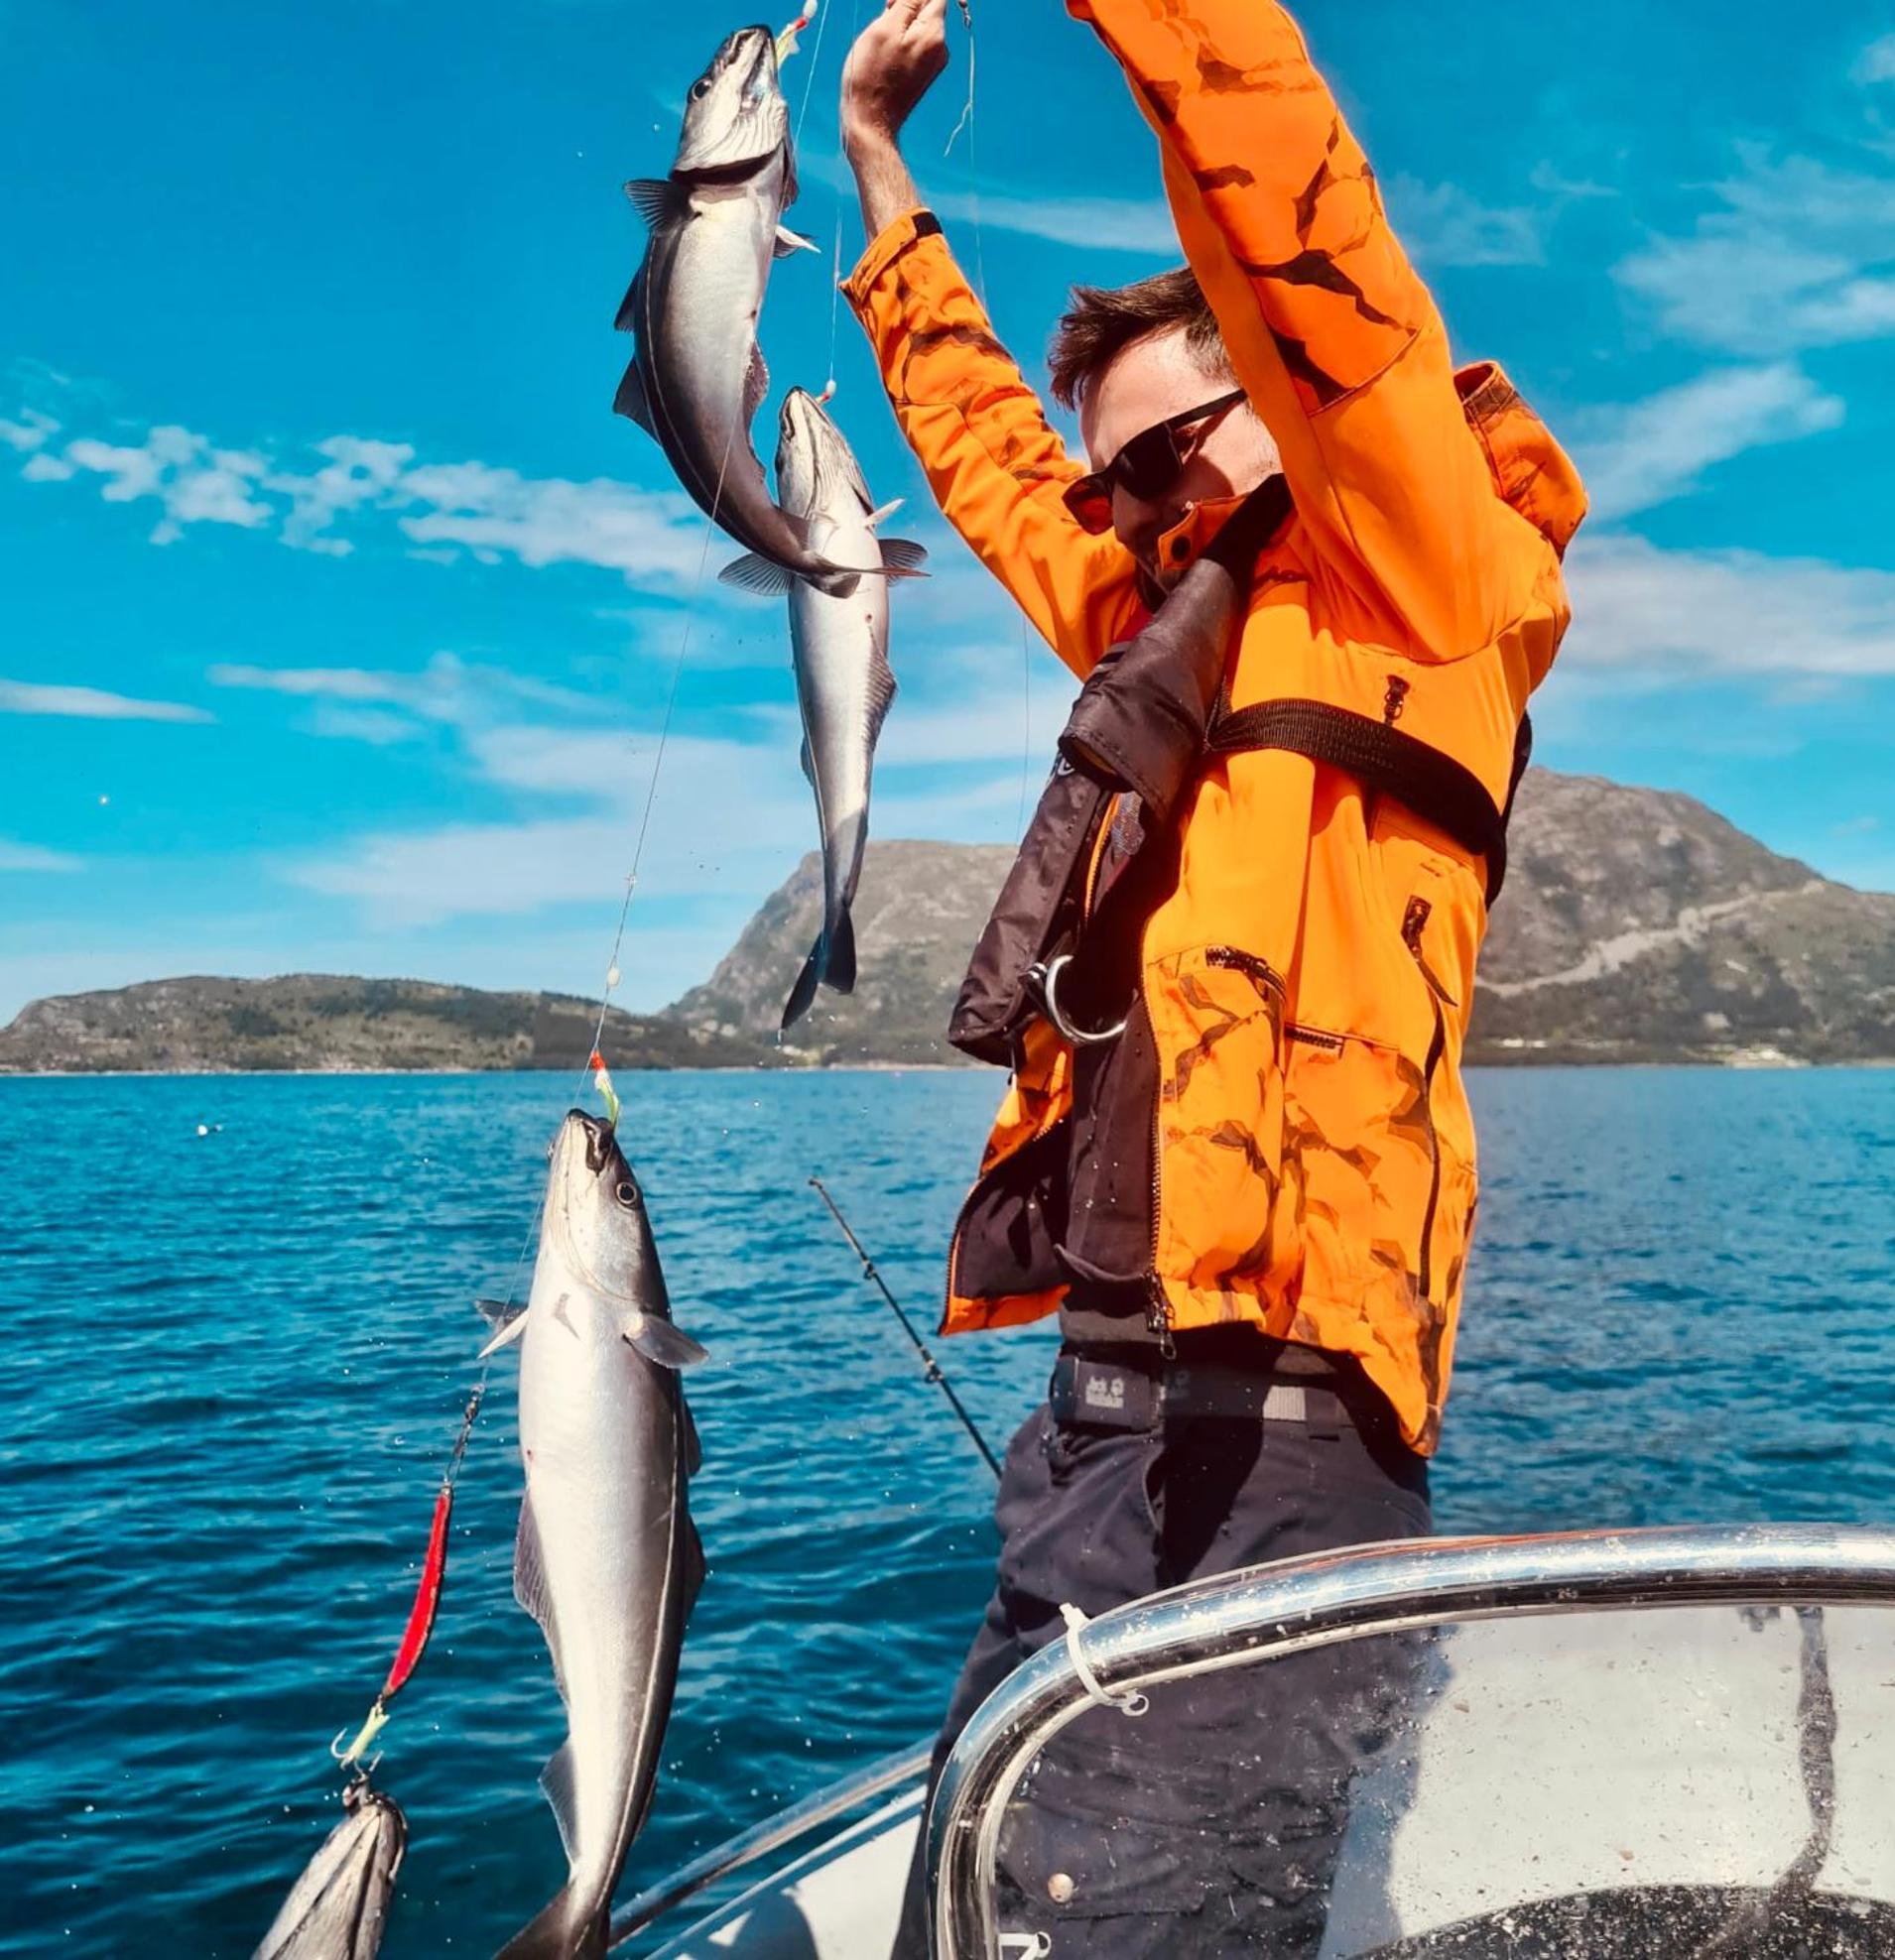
point(812, 9)
point(967, 113)
point(841, 201)
point(613, 975)
point(930, 1368)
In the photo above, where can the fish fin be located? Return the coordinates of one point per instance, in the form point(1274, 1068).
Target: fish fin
point(661, 1342)
point(508, 1332)
point(755, 573)
point(657, 200)
point(556, 1781)
point(627, 316)
point(803, 994)
point(887, 510)
point(903, 555)
point(694, 1444)
point(788, 242)
point(881, 694)
point(495, 1312)
point(839, 972)
point(530, 1586)
point(631, 400)
point(693, 1566)
point(836, 582)
point(550, 1936)
point(807, 763)
point(756, 383)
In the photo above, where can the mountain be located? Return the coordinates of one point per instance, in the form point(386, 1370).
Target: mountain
point(315, 1021)
point(918, 913)
point(1637, 925)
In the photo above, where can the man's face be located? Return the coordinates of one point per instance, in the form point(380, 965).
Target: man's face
point(1151, 381)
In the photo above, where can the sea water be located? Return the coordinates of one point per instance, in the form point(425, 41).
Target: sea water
point(238, 1335)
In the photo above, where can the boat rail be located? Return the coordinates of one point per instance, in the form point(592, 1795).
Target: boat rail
point(837, 1800)
point(1276, 1610)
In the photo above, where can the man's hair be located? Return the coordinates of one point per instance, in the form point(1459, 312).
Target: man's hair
point(1103, 321)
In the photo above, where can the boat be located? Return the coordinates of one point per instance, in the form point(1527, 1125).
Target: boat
point(1618, 1745)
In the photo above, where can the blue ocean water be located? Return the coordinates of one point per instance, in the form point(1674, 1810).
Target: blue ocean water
point(235, 1363)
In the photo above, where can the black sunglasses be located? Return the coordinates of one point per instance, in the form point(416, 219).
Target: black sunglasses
point(1148, 465)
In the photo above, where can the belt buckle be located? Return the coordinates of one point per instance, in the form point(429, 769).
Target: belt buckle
point(1105, 1394)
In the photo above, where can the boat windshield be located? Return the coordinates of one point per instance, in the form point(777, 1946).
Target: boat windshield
point(1650, 1771)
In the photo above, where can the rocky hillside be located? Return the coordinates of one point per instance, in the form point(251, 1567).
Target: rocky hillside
point(312, 1022)
point(1636, 925)
point(919, 911)
point(1639, 926)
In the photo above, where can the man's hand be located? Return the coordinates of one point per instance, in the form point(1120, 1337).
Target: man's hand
point(893, 64)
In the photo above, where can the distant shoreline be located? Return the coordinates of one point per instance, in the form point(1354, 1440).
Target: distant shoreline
point(1735, 1066)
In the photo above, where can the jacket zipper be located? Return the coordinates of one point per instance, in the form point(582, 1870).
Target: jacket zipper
point(1412, 924)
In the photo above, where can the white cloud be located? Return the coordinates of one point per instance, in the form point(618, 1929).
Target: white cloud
point(1111, 224)
point(448, 689)
point(549, 521)
point(29, 433)
point(1877, 61)
point(32, 857)
point(1445, 225)
point(378, 727)
point(1645, 614)
point(441, 511)
point(1798, 254)
point(339, 683)
point(89, 705)
point(1659, 449)
point(1441, 224)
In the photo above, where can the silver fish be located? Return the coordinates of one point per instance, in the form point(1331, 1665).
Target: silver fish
point(843, 681)
point(339, 1907)
point(697, 376)
point(607, 1560)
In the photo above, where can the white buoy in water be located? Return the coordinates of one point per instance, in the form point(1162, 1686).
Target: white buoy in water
point(204, 1128)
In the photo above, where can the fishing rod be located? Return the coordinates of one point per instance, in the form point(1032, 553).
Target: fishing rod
point(930, 1369)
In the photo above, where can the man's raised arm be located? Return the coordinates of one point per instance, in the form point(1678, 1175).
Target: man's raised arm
point(996, 467)
point(1332, 333)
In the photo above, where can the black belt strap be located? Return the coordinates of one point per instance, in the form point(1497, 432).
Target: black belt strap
point(1436, 788)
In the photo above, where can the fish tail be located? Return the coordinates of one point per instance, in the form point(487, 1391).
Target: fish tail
point(553, 1936)
point(803, 995)
point(840, 970)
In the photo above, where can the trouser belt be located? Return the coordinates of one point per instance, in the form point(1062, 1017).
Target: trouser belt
point(1110, 1395)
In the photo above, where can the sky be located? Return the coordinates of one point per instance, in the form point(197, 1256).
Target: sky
point(340, 616)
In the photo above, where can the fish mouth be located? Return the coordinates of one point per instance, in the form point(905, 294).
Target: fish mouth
point(757, 47)
point(591, 1138)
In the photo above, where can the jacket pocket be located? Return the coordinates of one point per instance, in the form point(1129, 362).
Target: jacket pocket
point(1220, 1118)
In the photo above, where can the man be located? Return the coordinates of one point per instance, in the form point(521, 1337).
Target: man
point(1237, 1158)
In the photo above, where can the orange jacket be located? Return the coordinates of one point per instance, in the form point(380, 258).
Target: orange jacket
point(1309, 979)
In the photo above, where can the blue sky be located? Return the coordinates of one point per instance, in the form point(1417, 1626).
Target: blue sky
point(339, 614)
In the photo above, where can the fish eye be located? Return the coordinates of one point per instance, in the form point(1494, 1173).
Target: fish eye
point(627, 1195)
point(701, 88)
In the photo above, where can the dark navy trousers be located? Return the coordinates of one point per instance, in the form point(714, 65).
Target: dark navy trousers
point(1212, 1826)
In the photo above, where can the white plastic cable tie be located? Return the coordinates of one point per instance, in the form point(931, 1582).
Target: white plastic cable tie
point(1077, 1622)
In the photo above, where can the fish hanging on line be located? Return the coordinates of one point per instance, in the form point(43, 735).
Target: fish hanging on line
point(697, 376)
point(839, 650)
point(607, 1560)
point(339, 1909)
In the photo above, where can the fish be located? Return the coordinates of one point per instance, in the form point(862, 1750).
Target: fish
point(607, 1560)
point(839, 651)
point(339, 1909)
point(697, 376)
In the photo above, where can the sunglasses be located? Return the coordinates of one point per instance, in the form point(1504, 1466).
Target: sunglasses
point(1148, 465)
